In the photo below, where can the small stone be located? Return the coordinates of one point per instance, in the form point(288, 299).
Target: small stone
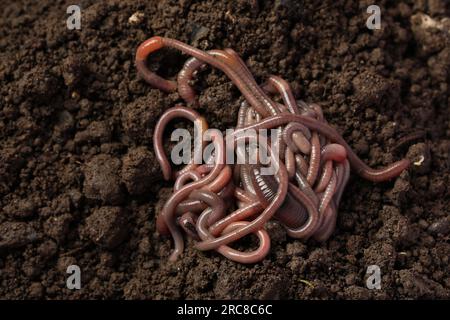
point(17, 234)
point(420, 157)
point(136, 18)
point(102, 179)
point(442, 226)
point(139, 170)
point(23, 208)
point(107, 226)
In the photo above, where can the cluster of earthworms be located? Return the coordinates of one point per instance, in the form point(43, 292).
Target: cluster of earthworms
point(217, 203)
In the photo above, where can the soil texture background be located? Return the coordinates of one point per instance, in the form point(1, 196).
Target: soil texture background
point(79, 183)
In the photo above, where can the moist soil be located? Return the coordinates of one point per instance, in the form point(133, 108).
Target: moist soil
point(79, 184)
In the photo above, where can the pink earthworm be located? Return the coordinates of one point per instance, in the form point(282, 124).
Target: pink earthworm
point(301, 164)
point(284, 89)
point(239, 215)
point(232, 68)
point(307, 229)
point(187, 222)
point(196, 206)
point(305, 149)
point(214, 202)
point(244, 196)
point(375, 175)
point(168, 211)
point(215, 211)
point(314, 159)
point(170, 114)
point(258, 222)
point(325, 177)
point(290, 211)
point(328, 224)
point(184, 178)
point(233, 254)
point(289, 160)
point(297, 136)
point(185, 76)
point(327, 196)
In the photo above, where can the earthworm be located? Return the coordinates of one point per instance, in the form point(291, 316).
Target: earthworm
point(375, 175)
point(168, 211)
point(218, 203)
point(314, 159)
point(297, 137)
point(184, 78)
point(176, 112)
point(283, 87)
point(188, 221)
point(257, 223)
point(259, 101)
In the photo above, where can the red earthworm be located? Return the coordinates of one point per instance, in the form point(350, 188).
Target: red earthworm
point(300, 209)
point(328, 224)
point(328, 194)
point(246, 76)
point(152, 78)
point(232, 254)
point(188, 221)
point(238, 215)
point(210, 215)
point(184, 78)
point(189, 205)
point(343, 169)
point(297, 136)
point(301, 164)
point(214, 202)
point(186, 75)
point(168, 211)
point(250, 90)
point(314, 159)
point(289, 160)
point(246, 257)
point(196, 206)
point(375, 175)
point(307, 229)
point(242, 114)
point(305, 187)
point(258, 222)
point(204, 168)
point(331, 152)
point(334, 152)
point(244, 196)
point(189, 167)
point(290, 213)
point(170, 114)
point(184, 178)
point(284, 89)
point(221, 180)
point(246, 180)
point(325, 177)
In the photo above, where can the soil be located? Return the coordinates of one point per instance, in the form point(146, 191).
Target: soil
point(79, 183)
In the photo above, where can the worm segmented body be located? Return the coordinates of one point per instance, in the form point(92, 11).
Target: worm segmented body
point(218, 204)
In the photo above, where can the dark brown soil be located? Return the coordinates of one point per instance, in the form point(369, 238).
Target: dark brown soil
point(79, 183)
